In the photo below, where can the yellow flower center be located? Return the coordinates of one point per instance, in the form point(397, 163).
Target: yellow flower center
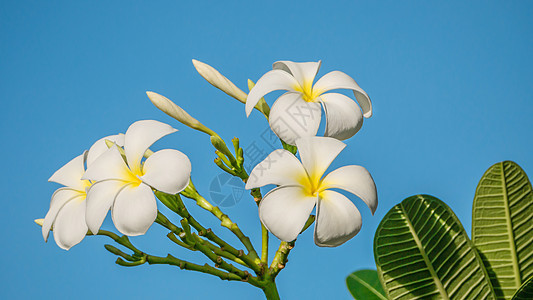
point(86, 184)
point(133, 175)
point(312, 185)
point(82, 193)
point(307, 91)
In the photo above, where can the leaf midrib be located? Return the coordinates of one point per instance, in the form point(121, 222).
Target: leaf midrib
point(514, 254)
point(434, 275)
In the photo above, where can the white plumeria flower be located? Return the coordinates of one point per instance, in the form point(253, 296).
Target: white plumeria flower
point(285, 209)
point(68, 205)
point(127, 189)
point(297, 113)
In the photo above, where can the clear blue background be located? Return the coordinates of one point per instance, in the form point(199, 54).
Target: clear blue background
point(451, 85)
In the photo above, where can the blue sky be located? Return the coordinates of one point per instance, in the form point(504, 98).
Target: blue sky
point(450, 84)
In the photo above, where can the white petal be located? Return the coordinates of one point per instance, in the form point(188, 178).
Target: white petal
point(356, 180)
point(59, 198)
point(272, 81)
point(140, 136)
point(291, 117)
point(167, 171)
point(135, 209)
point(339, 80)
point(110, 165)
point(70, 174)
point(100, 198)
point(303, 72)
point(99, 147)
point(337, 220)
point(317, 153)
point(70, 227)
point(280, 167)
point(343, 116)
point(284, 211)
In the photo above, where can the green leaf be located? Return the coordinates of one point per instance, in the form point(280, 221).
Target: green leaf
point(365, 285)
point(502, 226)
point(422, 252)
point(525, 292)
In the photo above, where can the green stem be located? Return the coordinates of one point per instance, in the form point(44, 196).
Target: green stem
point(264, 248)
point(169, 260)
point(256, 193)
point(189, 243)
point(280, 259)
point(220, 263)
point(225, 221)
point(122, 240)
point(271, 291)
point(171, 236)
point(175, 203)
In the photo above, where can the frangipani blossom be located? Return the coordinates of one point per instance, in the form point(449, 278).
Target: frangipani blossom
point(127, 189)
point(285, 209)
point(68, 205)
point(297, 113)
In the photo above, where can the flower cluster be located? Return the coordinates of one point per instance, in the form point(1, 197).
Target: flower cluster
point(115, 178)
point(301, 186)
point(113, 175)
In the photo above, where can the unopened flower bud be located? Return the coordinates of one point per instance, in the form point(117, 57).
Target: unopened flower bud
point(171, 109)
point(221, 146)
point(219, 81)
point(113, 250)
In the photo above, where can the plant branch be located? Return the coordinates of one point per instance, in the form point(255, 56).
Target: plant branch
point(175, 203)
point(139, 258)
point(189, 243)
point(280, 259)
point(225, 221)
point(171, 260)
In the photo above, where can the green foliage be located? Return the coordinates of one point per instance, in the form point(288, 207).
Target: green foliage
point(525, 292)
point(365, 285)
point(423, 252)
point(502, 226)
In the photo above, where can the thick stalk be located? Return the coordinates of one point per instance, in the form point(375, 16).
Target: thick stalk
point(280, 259)
point(271, 290)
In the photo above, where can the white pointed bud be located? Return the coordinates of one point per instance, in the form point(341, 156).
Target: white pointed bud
point(171, 109)
point(219, 81)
